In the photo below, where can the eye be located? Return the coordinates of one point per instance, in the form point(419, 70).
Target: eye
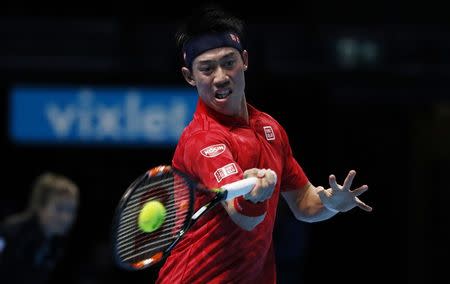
point(229, 63)
point(205, 69)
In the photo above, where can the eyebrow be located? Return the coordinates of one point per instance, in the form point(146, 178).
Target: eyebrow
point(230, 54)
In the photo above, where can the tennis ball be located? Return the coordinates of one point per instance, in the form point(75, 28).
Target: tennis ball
point(152, 216)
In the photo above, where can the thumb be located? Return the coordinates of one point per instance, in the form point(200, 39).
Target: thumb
point(321, 192)
point(251, 173)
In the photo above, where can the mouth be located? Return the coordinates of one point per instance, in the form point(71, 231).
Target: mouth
point(223, 93)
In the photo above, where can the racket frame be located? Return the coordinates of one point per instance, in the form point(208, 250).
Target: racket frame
point(220, 194)
point(154, 172)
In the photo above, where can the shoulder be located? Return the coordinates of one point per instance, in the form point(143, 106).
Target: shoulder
point(264, 117)
point(204, 136)
point(203, 126)
point(271, 126)
point(15, 222)
point(14, 227)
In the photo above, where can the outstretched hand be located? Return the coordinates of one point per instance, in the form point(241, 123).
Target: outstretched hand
point(340, 197)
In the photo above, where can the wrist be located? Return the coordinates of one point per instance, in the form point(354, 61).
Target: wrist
point(248, 208)
point(331, 209)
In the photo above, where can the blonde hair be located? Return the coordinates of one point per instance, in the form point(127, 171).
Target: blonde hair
point(46, 186)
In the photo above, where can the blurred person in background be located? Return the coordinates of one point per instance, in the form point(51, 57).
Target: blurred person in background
point(34, 241)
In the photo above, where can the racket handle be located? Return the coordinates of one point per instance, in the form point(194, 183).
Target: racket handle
point(239, 187)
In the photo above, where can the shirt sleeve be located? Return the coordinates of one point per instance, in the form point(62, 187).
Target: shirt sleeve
point(207, 156)
point(294, 177)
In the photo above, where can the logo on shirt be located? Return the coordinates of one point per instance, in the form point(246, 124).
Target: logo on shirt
point(225, 171)
point(268, 131)
point(213, 150)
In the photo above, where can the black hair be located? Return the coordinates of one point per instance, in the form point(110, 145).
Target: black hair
point(209, 18)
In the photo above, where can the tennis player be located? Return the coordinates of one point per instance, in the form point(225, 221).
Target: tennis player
point(228, 140)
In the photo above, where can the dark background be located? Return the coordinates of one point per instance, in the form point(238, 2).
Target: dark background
point(384, 112)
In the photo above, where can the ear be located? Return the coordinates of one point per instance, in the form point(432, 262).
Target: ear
point(245, 59)
point(187, 74)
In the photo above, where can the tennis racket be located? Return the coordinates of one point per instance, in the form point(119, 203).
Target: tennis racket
point(135, 249)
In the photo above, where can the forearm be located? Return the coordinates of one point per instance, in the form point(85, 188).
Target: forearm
point(247, 223)
point(306, 205)
point(311, 207)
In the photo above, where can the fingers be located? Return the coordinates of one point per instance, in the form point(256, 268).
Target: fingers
point(251, 172)
point(362, 205)
point(321, 192)
point(271, 177)
point(349, 179)
point(265, 186)
point(333, 183)
point(347, 182)
point(259, 193)
point(360, 190)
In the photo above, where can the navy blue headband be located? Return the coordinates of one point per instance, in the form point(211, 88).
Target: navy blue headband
point(197, 45)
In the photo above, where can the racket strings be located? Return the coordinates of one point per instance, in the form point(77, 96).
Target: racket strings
point(171, 209)
point(161, 236)
point(133, 208)
point(131, 228)
point(174, 192)
point(132, 211)
point(159, 185)
point(135, 203)
point(161, 242)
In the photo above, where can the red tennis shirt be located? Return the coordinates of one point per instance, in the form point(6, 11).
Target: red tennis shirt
point(217, 149)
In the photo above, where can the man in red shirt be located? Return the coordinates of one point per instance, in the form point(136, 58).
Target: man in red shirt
point(229, 140)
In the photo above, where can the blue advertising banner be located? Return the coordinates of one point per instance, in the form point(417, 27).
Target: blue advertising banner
point(99, 115)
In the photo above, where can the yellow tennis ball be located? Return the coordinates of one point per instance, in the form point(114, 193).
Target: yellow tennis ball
point(152, 216)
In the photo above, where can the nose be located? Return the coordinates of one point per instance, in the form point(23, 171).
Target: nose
point(221, 77)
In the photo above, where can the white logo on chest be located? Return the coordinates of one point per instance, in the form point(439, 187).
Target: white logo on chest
point(213, 150)
point(268, 131)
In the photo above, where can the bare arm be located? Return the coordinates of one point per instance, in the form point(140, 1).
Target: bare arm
point(313, 204)
point(306, 204)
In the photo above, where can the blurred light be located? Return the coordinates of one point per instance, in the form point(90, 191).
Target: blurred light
point(355, 53)
point(347, 52)
point(369, 52)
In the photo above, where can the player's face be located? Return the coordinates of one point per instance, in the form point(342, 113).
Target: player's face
point(219, 77)
point(58, 215)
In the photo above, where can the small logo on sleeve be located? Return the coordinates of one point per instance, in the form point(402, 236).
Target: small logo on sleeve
point(225, 171)
point(213, 150)
point(268, 131)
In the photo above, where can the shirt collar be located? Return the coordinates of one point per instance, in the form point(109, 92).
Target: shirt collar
point(230, 121)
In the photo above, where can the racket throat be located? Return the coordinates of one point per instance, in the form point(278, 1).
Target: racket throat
point(205, 208)
point(199, 213)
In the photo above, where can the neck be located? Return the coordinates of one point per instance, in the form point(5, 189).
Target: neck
point(240, 115)
point(243, 111)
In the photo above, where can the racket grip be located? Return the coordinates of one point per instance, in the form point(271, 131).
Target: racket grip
point(239, 187)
